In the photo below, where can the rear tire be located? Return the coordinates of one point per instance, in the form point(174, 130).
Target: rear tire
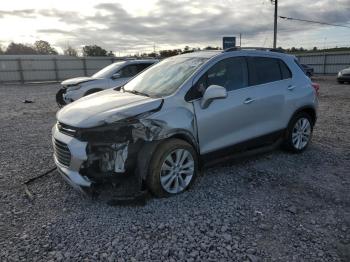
point(299, 133)
point(173, 168)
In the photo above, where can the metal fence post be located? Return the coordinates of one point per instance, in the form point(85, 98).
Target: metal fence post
point(56, 68)
point(324, 63)
point(84, 66)
point(20, 70)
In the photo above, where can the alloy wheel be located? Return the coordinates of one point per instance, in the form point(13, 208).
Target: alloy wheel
point(177, 171)
point(301, 133)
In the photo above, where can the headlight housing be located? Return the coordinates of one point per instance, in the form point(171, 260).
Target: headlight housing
point(340, 73)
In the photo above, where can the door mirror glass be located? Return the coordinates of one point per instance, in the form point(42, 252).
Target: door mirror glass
point(116, 75)
point(211, 93)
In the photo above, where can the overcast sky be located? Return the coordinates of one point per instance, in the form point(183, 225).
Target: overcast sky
point(131, 26)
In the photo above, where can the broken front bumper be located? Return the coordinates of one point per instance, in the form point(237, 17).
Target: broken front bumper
point(69, 155)
point(60, 97)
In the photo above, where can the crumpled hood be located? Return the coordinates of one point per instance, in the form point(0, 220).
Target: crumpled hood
point(77, 80)
point(103, 107)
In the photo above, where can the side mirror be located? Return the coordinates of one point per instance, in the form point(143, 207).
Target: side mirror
point(212, 92)
point(116, 75)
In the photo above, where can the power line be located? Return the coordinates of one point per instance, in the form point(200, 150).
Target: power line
point(314, 22)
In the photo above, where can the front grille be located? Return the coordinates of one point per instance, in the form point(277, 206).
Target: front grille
point(62, 153)
point(65, 129)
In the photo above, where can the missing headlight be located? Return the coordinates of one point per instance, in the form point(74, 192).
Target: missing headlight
point(114, 158)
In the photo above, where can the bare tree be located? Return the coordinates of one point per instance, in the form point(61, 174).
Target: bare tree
point(70, 51)
point(110, 53)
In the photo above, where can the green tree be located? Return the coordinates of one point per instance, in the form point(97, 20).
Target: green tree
point(70, 51)
point(211, 48)
point(20, 49)
point(168, 53)
point(94, 50)
point(44, 48)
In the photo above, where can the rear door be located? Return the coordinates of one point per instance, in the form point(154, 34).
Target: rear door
point(271, 79)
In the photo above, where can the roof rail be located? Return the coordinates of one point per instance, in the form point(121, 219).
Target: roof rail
point(237, 48)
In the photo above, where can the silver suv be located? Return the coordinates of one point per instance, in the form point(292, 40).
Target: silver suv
point(178, 114)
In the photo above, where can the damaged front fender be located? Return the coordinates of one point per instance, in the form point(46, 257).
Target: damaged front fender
point(118, 147)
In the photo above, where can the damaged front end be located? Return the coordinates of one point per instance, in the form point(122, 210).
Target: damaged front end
point(60, 97)
point(112, 150)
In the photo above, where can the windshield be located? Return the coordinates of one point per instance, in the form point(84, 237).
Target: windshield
point(108, 70)
point(164, 78)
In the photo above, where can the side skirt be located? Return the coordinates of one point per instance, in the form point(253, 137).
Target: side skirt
point(251, 147)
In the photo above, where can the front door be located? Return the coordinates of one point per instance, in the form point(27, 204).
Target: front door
point(226, 121)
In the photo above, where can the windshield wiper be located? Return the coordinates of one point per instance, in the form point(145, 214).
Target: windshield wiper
point(136, 92)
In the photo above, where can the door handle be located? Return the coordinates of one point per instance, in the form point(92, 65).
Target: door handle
point(248, 101)
point(291, 87)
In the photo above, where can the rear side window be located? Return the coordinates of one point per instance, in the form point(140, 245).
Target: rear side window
point(285, 71)
point(300, 66)
point(264, 70)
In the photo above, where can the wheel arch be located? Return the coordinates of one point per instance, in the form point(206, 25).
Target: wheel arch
point(310, 110)
point(148, 149)
point(187, 137)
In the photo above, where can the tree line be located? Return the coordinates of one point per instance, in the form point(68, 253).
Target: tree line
point(42, 47)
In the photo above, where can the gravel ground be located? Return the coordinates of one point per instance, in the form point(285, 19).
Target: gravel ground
point(271, 207)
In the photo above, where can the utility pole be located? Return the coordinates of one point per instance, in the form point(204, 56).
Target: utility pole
point(275, 2)
point(240, 39)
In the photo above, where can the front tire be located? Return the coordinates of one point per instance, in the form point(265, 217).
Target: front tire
point(173, 168)
point(59, 97)
point(299, 133)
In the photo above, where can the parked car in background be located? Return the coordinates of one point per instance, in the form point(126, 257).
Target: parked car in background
point(114, 75)
point(309, 71)
point(182, 112)
point(344, 76)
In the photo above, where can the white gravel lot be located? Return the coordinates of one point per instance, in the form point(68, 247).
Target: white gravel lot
point(272, 207)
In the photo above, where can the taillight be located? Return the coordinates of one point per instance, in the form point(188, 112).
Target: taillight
point(316, 87)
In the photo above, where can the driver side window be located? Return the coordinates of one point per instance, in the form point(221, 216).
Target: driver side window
point(231, 73)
